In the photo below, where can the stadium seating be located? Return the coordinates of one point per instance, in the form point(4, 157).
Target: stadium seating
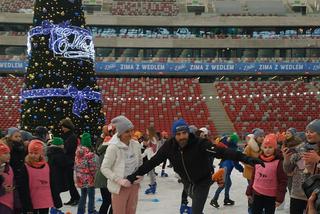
point(141, 8)
point(232, 8)
point(140, 99)
point(9, 101)
point(266, 8)
point(268, 105)
point(16, 5)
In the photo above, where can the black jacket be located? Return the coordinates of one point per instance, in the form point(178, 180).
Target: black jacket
point(70, 144)
point(58, 163)
point(17, 156)
point(193, 162)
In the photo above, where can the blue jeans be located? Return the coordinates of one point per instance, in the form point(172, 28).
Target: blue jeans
point(83, 200)
point(227, 186)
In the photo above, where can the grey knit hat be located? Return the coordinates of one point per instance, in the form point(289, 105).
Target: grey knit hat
point(258, 132)
point(314, 126)
point(292, 130)
point(193, 129)
point(26, 136)
point(12, 130)
point(122, 124)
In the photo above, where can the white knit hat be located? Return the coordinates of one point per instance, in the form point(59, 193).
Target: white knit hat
point(122, 124)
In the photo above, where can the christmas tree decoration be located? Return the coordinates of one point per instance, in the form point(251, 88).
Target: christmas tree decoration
point(60, 80)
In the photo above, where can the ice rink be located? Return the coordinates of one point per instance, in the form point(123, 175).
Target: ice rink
point(168, 197)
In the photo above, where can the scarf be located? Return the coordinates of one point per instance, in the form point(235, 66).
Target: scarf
point(267, 159)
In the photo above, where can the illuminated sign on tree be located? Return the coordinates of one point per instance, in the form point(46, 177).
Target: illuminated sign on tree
point(65, 40)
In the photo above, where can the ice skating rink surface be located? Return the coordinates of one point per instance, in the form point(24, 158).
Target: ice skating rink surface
point(168, 197)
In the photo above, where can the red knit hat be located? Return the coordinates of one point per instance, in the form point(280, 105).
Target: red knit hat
point(164, 134)
point(4, 149)
point(270, 140)
point(36, 146)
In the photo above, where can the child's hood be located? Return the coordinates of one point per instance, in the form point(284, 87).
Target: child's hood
point(252, 143)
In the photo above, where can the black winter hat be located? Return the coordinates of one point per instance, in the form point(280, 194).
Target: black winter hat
point(41, 131)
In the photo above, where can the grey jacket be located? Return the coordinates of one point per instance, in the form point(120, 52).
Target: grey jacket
point(298, 175)
point(100, 180)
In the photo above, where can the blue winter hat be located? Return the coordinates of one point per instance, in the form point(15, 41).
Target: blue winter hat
point(314, 126)
point(12, 130)
point(293, 131)
point(257, 132)
point(179, 125)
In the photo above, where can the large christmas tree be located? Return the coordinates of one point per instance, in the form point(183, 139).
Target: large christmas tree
point(60, 81)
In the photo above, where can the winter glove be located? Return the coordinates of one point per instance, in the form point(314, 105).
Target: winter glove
point(252, 161)
point(139, 179)
point(219, 177)
point(132, 178)
point(123, 182)
point(238, 166)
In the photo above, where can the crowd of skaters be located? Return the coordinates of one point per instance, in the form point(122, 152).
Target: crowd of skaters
point(36, 167)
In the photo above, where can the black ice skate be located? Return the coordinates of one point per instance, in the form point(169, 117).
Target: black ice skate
point(214, 203)
point(228, 202)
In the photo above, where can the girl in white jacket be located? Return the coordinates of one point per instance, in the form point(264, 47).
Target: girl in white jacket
point(149, 153)
point(122, 158)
